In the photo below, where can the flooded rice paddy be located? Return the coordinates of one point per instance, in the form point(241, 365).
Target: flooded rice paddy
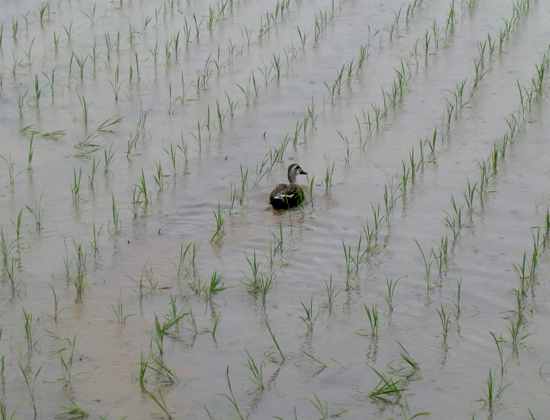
point(144, 274)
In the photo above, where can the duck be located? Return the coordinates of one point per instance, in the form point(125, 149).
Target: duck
point(285, 196)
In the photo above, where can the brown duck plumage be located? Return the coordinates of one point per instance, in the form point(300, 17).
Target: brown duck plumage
point(285, 196)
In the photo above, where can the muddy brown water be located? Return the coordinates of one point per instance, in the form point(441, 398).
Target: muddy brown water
point(338, 361)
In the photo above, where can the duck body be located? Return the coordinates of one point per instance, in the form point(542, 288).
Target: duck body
point(285, 196)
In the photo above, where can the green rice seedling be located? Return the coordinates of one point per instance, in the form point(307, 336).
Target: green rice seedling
point(161, 403)
point(14, 27)
point(492, 394)
point(537, 246)
point(346, 142)
point(405, 367)
point(37, 213)
point(4, 408)
point(328, 176)
point(172, 155)
point(191, 320)
point(142, 190)
point(278, 240)
point(374, 320)
point(216, 285)
point(131, 145)
point(91, 176)
point(303, 37)
point(244, 184)
point(66, 365)
point(17, 226)
point(332, 294)
point(276, 345)
point(387, 389)
point(308, 316)
point(454, 222)
point(5, 248)
point(56, 310)
point(164, 374)
point(69, 32)
point(37, 92)
point(198, 136)
point(184, 148)
point(256, 373)
point(11, 273)
point(390, 285)
point(469, 196)
point(30, 382)
point(458, 296)
point(231, 398)
point(231, 104)
point(79, 279)
point(323, 409)
point(500, 344)
point(119, 310)
point(162, 329)
point(84, 108)
point(351, 267)
point(159, 176)
point(73, 410)
point(378, 219)
point(220, 225)
point(21, 101)
point(197, 26)
point(427, 266)
point(116, 84)
point(81, 62)
point(444, 317)
point(522, 271)
point(143, 366)
point(75, 186)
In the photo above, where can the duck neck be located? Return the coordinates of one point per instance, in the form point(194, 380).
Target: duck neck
point(292, 177)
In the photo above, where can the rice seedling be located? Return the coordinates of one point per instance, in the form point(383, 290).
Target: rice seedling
point(164, 375)
point(231, 398)
point(11, 273)
point(276, 344)
point(84, 108)
point(162, 329)
point(428, 262)
point(191, 320)
point(324, 410)
point(500, 344)
point(374, 320)
point(31, 382)
point(66, 365)
point(387, 389)
point(29, 330)
point(332, 294)
point(256, 373)
point(79, 279)
point(75, 186)
point(220, 226)
point(161, 403)
point(116, 84)
point(308, 316)
point(492, 394)
point(159, 176)
point(5, 248)
point(56, 310)
point(405, 367)
point(4, 407)
point(444, 317)
point(17, 226)
point(73, 410)
point(119, 310)
point(91, 176)
point(390, 285)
